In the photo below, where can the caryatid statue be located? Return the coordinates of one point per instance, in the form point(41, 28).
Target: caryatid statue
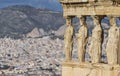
point(82, 39)
point(68, 39)
point(96, 41)
point(113, 41)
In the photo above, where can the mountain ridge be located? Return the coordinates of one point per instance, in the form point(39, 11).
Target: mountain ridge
point(18, 20)
point(46, 4)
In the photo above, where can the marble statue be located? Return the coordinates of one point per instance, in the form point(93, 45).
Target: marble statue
point(96, 46)
point(82, 39)
point(68, 40)
point(112, 44)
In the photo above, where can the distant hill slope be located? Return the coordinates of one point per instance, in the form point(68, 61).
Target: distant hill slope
point(19, 20)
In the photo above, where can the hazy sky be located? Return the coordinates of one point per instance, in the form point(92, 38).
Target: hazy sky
point(50, 4)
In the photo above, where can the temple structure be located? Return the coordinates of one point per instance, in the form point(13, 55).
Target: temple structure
point(97, 9)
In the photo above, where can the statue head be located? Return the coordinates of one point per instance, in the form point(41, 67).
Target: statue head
point(69, 21)
point(96, 20)
point(112, 20)
point(82, 20)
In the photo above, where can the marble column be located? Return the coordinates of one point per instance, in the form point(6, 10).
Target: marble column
point(68, 39)
point(113, 42)
point(96, 41)
point(82, 39)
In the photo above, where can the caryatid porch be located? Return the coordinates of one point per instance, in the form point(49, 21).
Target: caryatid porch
point(97, 9)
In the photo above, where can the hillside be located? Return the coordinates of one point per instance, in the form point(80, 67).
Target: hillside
point(17, 21)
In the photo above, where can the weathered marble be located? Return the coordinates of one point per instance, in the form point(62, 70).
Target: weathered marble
point(113, 41)
point(68, 40)
point(97, 9)
point(82, 39)
point(96, 42)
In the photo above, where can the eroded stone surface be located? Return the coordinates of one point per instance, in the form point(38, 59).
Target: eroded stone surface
point(97, 9)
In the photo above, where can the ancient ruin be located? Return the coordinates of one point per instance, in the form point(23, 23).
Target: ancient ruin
point(97, 9)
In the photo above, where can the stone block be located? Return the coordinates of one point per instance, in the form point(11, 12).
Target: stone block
point(67, 71)
point(81, 71)
point(87, 69)
point(107, 73)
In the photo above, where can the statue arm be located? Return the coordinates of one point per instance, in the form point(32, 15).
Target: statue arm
point(72, 31)
point(118, 34)
point(86, 41)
